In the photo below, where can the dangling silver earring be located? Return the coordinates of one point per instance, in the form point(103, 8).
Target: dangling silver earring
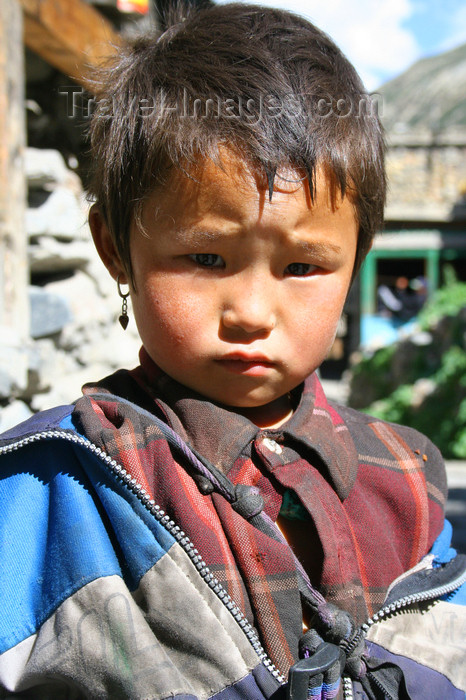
point(123, 318)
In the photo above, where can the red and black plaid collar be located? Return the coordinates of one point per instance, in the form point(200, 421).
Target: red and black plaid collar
point(221, 435)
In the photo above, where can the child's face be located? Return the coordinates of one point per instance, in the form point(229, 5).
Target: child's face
point(237, 297)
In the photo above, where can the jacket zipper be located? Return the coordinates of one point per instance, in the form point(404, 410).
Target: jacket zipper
point(176, 532)
point(213, 583)
point(391, 610)
point(406, 601)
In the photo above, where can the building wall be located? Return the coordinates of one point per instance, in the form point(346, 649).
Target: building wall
point(427, 176)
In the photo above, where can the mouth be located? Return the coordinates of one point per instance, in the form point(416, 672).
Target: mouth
point(250, 365)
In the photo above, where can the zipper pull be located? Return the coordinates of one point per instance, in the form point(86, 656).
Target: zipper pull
point(325, 656)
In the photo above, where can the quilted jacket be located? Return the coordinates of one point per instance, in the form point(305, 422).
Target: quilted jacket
point(104, 596)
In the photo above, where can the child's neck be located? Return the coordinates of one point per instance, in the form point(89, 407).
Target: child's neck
point(272, 415)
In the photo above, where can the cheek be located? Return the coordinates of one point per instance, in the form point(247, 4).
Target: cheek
point(316, 332)
point(316, 324)
point(166, 314)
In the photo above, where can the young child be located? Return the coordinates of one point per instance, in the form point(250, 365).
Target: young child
point(207, 525)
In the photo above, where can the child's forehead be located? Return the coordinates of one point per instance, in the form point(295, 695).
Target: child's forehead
point(225, 165)
point(231, 172)
point(232, 197)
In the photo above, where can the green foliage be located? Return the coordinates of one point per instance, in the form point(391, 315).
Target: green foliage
point(378, 362)
point(441, 415)
point(377, 368)
point(436, 407)
point(447, 301)
point(394, 408)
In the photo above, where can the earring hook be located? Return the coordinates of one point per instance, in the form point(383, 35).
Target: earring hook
point(123, 318)
point(123, 296)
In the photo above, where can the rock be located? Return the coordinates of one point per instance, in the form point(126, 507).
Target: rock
point(8, 384)
point(49, 369)
point(83, 297)
point(45, 166)
point(62, 215)
point(49, 313)
point(74, 313)
point(117, 349)
point(12, 414)
point(106, 286)
point(67, 387)
point(13, 363)
point(49, 256)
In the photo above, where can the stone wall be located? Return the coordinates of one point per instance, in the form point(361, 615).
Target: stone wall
point(427, 175)
point(74, 304)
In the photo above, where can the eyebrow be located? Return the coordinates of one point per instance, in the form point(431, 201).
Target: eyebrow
point(199, 238)
point(317, 248)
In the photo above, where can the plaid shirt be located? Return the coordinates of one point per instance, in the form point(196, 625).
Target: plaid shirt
point(366, 497)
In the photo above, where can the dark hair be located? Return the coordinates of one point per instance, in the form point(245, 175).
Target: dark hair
point(265, 82)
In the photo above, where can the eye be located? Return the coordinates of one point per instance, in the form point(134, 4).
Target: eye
point(207, 259)
point(297, 269)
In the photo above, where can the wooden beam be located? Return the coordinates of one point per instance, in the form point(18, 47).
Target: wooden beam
point(70, 35)
point(14, 273)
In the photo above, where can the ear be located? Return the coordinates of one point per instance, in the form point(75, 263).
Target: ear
point(103, 241)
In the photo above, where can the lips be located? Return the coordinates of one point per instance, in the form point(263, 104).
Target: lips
point(244, 363)
point(246, 357)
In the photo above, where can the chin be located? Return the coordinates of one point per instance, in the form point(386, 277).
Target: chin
point(253, 402)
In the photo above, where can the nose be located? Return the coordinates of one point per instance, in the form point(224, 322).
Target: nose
point(250, 307)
